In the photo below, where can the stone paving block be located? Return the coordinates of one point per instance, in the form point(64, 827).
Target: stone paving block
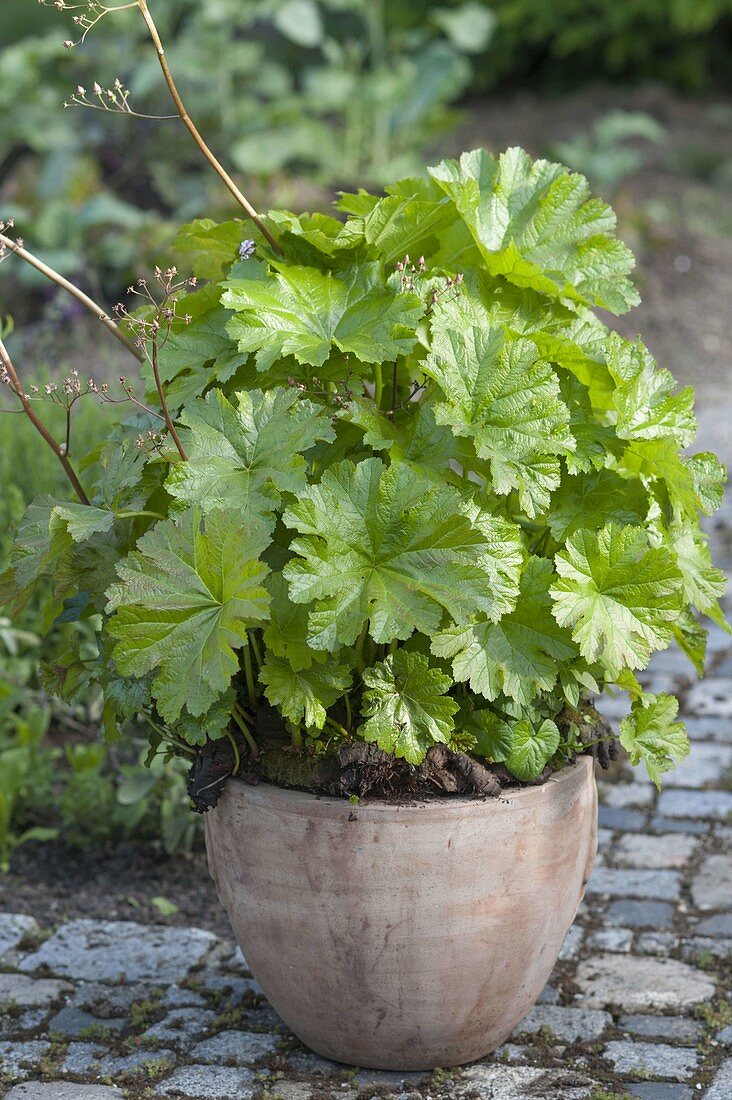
point(210, 1083)
point(19, 1060)
point(63, 1090)
point(382, 1079)
point(102, 999)
point(30, 992)
point(494, 1082)
point(180, 997)
point(638, 983)
point(610, 939)
point(627, 820)
point(81, 1057)
point(699, 946)
point(622, 795)
point(181, 1027)
point(100, 950)
point(291, 1090)
point(708, 729)
point(621, 882)
point(13, 926)
point(570, 1024)
point(721, 1086)
point(711, 697)
point(725, 1036)
point(657, 1090)
point(241, 1048)
point(27, 1019)
point(706, 763)
point(676, 825)
point(72, 1022)
point(663, 1027)
point(572, 943)
point(639, 914)
point(711, 886)
point(236, 989)
point(548, 996)
point(654, 852)
point(656, 1059)
point(714, 805)
point(718, 925)
point(656, 943)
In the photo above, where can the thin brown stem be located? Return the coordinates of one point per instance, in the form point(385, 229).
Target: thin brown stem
point(163, 403)
point(38, 424)
point(86, 301)
point(193, 131)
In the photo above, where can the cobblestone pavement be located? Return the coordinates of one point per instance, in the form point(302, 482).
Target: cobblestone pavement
point(639, 1003)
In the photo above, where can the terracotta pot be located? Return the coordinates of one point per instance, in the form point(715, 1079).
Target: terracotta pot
point(403, 936)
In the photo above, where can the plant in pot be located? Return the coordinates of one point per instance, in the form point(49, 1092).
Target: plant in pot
point(394, 505)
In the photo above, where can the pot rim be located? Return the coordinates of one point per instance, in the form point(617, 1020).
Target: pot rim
point(288, 800)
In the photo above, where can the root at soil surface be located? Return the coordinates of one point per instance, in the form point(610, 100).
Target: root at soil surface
point(364, 770)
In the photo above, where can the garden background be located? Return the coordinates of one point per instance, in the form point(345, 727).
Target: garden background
point(302, 98)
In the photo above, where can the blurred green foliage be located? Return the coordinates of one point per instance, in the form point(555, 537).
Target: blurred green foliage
point(300, 96)
point(58, 778)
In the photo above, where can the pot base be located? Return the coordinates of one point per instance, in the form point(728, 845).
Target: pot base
point(403, 937)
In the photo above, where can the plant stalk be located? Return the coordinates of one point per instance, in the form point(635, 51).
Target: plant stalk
point(193, 130)
point(89, 303)
point(163, 403)
point(238, 717)
point(39, 425)
point(249, 674)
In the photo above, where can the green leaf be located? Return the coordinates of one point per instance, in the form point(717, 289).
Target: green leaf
point(208, 247)
point(406, 706)
point(619, 595)
point(703, 583)
point(299, 20)
point(240, 456)
point(81, 521)
point(536, 224)
point(286, 633)
point(183, 604)
point(691, 638)
point(493, 735)
point(413, 436)
point(709, 477)
point(518, 656)
point(469, 27)
point(304, 693)
point(646, 406)
point(211, 726)
point(590, 500)
point(651, 735)
point(502, 395)
point(304, 312)
point(386, 546)
point(532, 749)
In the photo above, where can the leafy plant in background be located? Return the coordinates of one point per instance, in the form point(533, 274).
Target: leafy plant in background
point(393, 483)
point(610, 152)
point(328, 91)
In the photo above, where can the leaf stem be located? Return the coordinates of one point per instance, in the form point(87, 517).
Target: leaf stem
point(143, 512)
point(38, 424)
point(193, 130)
point(238, 715)
point(337, 726)
point(349, 715)
point(80, 296)
point(255, 648)
point(237, 758)
point(378, 384)
point(249, 674)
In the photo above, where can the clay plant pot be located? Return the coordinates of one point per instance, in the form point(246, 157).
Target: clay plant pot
point(403, 936)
